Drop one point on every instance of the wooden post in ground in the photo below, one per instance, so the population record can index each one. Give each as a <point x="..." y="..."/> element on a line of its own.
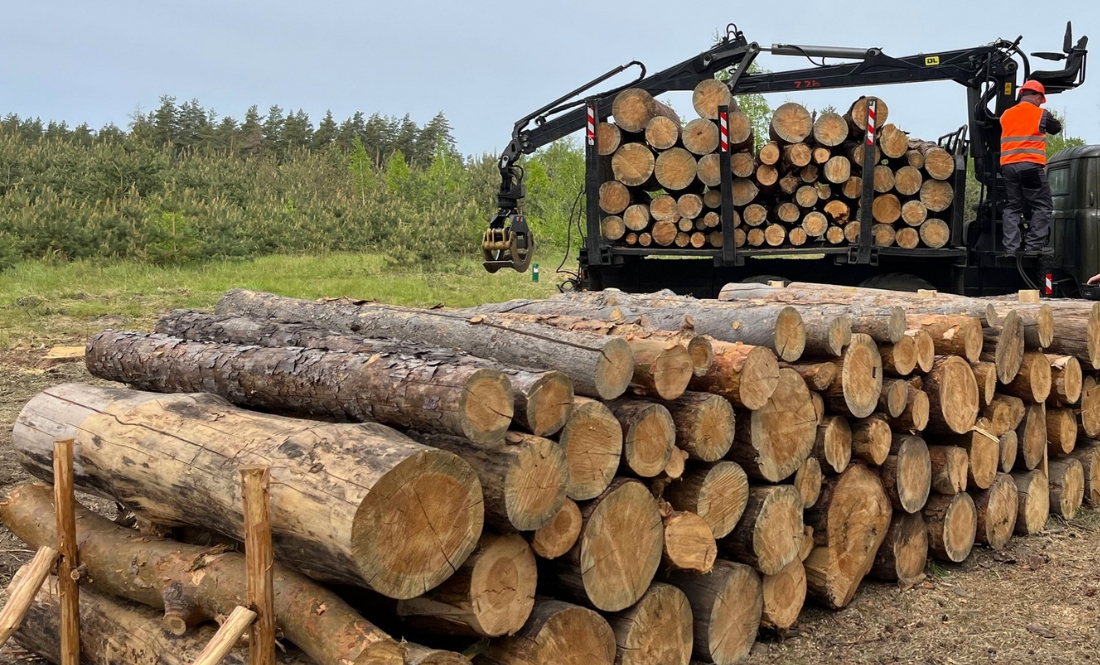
<point x="259" y="561"/>
<point x="227" y="636"/>
<point x="22" y="591"/>
<point x="68" y="573"/>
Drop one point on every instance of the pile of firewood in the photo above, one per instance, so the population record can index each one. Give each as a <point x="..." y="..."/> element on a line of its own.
<point x="802" y="187"/>
<point x="595" y="478"/>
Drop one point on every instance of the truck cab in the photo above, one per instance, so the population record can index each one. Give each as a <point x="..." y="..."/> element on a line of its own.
<point x="1074" y="176"/>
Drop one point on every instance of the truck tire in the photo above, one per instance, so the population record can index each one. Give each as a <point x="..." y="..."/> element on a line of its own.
<point x="897" y="281"/>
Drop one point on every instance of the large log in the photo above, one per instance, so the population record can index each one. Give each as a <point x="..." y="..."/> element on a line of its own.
<point x="710" y="94"/>
<point x="1032" y="437"/>
<point x="791" y="123"/>
<point x="599" y="366"/>
<point x="784" y="595"/>
<point x="1077" y="332"/>
<point x="726" y="606"/>
<point x="769" y="535"/>
<point x="649" y="435"/>
<point x="675" y="169"/>
<point x="997" y="508"/>
<point x="113" y="631"/>
<point x="952" y="333"/>
<point x="1067" y="487"/>
<point x="633" y="164"/>
<point x="904" y="552"/>
<point x="907" y="473"/>
<point x="658" y="629"/>
<point x="1032" y="382"/>
<point x="593" y="443"/>
<point x="1033" y="495"/>
<point x="160" y="573"/>
<point x="952" y="396"/>
<point x="614" y="197"/>
<point x="662" y="133"/>
<point x="361" y="504"/>
<point x="689" y="542"/>
<point x="772" y="441"/>
<point x="850" y="521"/>
<point x="716" y="492"/>
<point x="557" y="632"/>
<point x="952" y="526"/>
<point x="705" y="425"/>
<point x="744" y="375"/>
<point x="633" y="108"/>
<point x="858" y="384"/>
<point x="609" y="137"/>
<point x="543" y="399"/>
<point x="490" y="595"/>
<point x="830" y="129"/>
<point x="619" y="549"/>
<point x="398" y="390"/>
<point x="1037" y="320"/>
<point x="523" y="479"/>
<point x="700" y="136"/>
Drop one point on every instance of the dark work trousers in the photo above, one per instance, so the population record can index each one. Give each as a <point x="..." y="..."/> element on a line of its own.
<point x="1026" y="182"/>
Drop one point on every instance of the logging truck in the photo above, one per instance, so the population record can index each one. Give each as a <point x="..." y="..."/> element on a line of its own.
<point x="797" y="208"/>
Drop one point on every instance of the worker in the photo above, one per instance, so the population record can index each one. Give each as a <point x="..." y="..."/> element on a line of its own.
<point x="1023" y="166"/>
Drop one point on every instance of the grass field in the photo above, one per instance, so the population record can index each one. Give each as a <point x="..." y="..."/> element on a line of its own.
<point x="43" y="304"/>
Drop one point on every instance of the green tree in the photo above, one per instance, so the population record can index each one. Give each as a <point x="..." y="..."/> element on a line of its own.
<point x="273" y="127"/>
<point x="165" y="122"/>
<point x="1059" y="142"/>
<point x="325" y="135"/>
<point x="252" y="133"/>
<point x="297" y="132"/>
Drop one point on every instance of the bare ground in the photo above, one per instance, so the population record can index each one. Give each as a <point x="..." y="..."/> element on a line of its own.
<point x="1037" y="601"/>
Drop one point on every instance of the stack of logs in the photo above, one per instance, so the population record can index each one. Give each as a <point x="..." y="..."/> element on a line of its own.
<point x="803" y="187"/>
<point x="595" y="478"/>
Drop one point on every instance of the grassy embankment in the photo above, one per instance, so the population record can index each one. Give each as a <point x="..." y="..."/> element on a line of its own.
<point x="44" y="305"/>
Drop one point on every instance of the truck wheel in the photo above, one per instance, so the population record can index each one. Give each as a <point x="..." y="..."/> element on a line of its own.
<point x="764" y="279"/>
<point x="897" y="281"/>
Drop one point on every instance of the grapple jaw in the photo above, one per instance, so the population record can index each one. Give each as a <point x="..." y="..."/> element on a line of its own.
<point x="507" y="243"/>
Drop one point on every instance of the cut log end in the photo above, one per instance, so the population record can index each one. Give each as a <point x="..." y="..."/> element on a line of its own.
<point x="502" y="585"/>
<point x="533" y="492"/>
<point x="487" y="406"/>
<point x="1033" y="496"/>
<point x="904" y="553"/>
<point x="726" y="607"/>
<point x="549" y="403"/>
<point x="556" y="538"/>
<point x="649" y="435"/>
<point x="908" y="473"/>
<point x="658" y="629"/>
<point x="952" y="526"/>
<point x="689" y="543"/>
<point x="997" y="509"/>
<point x="784" y="594"/>
<point x="615" y="369"/>
<point x="718" y="493"/>
<point x="593" y="443"/>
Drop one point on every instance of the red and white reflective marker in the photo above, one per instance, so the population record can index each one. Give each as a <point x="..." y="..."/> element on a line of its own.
<point x="872" y="107"/>
<point x="1050" y="284"/>
<point x="591" y="124"/>
<point x="724" y="130"/>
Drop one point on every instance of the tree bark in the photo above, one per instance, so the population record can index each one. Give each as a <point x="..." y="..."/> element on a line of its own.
<point x="370" y="483"/>
<point x="398" y="390"/>
<point x="599" y="366"/>
<point x="658" y="629"/>
<point x="907" y="473"/>
<point x="557" y="632"/>
<point x="523" y="479"/>
<point x="849" y="522"/>
<point x="773" y="441"/>
<point x="160" y="573"/>
<point x="769" y="535"/>
<point x="997" y="508"/>
<point x="1077" y="332"/>
<point x="560" y="534"/>
<point x="1033" y="495"/>
<point x="951" y="333"/>
<point x="985" y="375"/>
<point x="618" y="551"/>
<point x="726" y="607"/>
<point x="717" y="492"/>
<point x="952" y="526"/>
<point x="818" y="376"/>
<point x="490" y="595"/>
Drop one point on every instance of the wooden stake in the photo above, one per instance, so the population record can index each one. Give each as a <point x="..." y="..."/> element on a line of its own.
<point x="258" y="564"/>
<point x="227" y="636"/>
<point x="67" y="566"/>
<point x="22" y="591"/>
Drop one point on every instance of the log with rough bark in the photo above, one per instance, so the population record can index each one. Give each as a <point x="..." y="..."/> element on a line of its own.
<point x="1032" y="436"/>
<point x="743" y="374"/>
<point x="661" y="368"/>
<point x="952" y="396"/>
<point x="997" y="508"/>
<point x="716" y="492"/>
<point x="1077" y="331"/>
<point x="648" y="434"/>
<point x="633" y="164"/>
<point x="1066" y="380"/>
<point x="1061" y="431"/>
<point x="1067" y="487"/>
<point x="949" y="465"/>
<point x="907" y="473"/>
<point x="1032" y="382"/>
<point x="726" y="608"/>
<point x="1033" y="496"/>
<point x="952" y="526"/>
<point x="633" y="108"/>
<point x="772" y="442"/>
<point x="705" y="425"/>
<point x="491" y="593"/>
<point x="1087" y="453"/>
<point x="1038" y="323"/>
<point x="599" y="366"/>
<point x="112" y="632"/>
<point x="951" y="333"/>
<point x="560" y="534"/>
<point x="543" y="399"/>
<point x="904" y="552"/>
<point x="160" y="573"/>
<point x="658" y="629"/>
<point x="871" y="439"/>
<point x="523" y="479"/>
<point x="858" y="383"/>
<point x="557" y="632"/>
<point x="394" y="389"/>
<point x="769" y="535"/>
<point x="833" y="445"/>
<point x="395" y="514"/>
<point x="784" y="595"/>
<point x="689" y="542"/>
<point x="618" y="551"/>
<point x="849" y="522"/>
<point x="593" y="442"/>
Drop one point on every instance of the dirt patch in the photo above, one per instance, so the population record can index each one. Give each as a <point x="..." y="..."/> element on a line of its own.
<point x="1036" y="601"/>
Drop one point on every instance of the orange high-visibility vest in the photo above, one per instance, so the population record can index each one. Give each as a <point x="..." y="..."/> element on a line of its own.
<point x="1021" y="140"/>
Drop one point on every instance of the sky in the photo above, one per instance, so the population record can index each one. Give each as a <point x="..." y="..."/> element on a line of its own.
<point x="484" y="64"/>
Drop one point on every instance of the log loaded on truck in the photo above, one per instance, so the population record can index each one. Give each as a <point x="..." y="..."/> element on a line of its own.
<point x="813" y="204"/>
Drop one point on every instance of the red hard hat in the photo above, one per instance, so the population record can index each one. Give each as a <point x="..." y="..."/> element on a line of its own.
<point x="1036" y="87"/>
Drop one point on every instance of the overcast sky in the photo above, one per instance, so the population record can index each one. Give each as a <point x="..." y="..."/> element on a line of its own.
<point x="485" y="64"/>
